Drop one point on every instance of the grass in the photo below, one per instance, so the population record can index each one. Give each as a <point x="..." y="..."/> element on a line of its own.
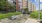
<point x="2" y="16"/>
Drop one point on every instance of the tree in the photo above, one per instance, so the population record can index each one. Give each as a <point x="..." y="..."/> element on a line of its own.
<point x="6" y="6"/>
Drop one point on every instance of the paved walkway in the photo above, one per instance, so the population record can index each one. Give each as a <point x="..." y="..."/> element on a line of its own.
<point x="0" y="22"/>
<point x="29" y="20"/>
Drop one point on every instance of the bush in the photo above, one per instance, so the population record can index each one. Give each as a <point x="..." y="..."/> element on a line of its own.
<point x="6" y="6"/>
<point x="35" y="15"/>
<point x="41" y="15"/>
<point x="28" y="12"/>
<point x="26" y="9"/>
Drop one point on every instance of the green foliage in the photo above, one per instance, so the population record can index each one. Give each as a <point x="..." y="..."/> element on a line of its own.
<point x="5" y="5"/>
<point x="26" y="9"/>
<point x="2" y="16"/>
<point x="12" y="8"/>
<point x="35" y="15"/>
<point x="41" y="15"/>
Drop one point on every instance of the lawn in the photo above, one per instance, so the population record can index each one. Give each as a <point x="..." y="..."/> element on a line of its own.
<point x="6" y="15"/>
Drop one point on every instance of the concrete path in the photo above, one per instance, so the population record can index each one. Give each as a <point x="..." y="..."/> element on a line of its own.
<point x="0" y="22"/>
<point x="29" y="20"/>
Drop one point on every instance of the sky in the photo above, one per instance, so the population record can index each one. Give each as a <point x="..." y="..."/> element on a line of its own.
<point x="37" y="4"/>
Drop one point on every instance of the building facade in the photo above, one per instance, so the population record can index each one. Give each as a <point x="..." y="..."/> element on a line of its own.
<point x="24" y="3"/>
<point x="34" y="7"/>
<point x="31" y="6"/>
<point x="21" y="4"/>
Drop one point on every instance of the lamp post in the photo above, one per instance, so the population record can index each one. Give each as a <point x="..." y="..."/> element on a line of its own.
<point x="39" y="11"/>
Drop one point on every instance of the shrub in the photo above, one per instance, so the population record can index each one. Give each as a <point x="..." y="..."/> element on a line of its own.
<point x="28" y="12"/>
<point x="26" y="9"/>
<point x="41" y="15"/>
<point x="35" y="15"/>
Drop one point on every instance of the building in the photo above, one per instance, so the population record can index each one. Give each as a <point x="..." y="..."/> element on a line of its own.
<point x="21" y="4"/>
<point x="31" y="6"/>
<point x="17" y="7"/>
<point x="24" y="3"/>
<point x="14" y="2"/>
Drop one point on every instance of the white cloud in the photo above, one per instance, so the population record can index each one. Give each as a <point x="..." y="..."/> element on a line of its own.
<point x="40" y="0"/>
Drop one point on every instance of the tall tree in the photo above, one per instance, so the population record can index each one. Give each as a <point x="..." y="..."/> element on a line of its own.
<point x="5" y="6"/>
